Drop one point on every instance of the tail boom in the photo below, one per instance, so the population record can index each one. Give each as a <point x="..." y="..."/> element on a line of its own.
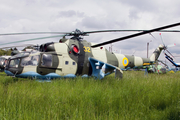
<point x="127" y="61"/>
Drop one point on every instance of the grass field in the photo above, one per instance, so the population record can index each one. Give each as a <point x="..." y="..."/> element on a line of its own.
<point x="135" y="97"/>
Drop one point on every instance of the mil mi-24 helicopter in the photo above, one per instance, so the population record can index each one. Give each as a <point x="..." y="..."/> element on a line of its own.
<point x="3" y="61"/>
<point x="4" y="58"/>
<point x="76" y="57"/>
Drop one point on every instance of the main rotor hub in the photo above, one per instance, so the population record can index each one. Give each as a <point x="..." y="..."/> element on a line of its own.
<point x="76" y="34"/>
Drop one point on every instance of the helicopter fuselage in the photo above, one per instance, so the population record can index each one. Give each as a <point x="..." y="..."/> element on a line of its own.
<point x="70" y="58"/>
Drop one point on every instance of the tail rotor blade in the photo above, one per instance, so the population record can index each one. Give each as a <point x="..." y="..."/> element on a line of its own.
<point x="161" y="39"/>
<point x="171" y="45"/>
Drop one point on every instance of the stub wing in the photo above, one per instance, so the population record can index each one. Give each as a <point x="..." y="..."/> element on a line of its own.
<point x="101" y="69"/>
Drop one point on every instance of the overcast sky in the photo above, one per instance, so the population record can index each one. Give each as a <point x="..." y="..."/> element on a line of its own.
<point x="90" y="15"/>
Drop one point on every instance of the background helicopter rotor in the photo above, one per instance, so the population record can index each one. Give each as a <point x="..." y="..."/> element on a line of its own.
<point x="167" y="46"/>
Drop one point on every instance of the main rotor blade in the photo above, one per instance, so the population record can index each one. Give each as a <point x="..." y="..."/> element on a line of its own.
<point x="33" y="33"/>
<point x="130" y="31"/>
<point x="32" y="39"/>
<point x="135" y="35"/>
<point x="99" y="31"/>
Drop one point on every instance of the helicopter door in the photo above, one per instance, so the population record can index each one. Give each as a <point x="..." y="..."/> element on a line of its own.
<point x="69" y="66"/>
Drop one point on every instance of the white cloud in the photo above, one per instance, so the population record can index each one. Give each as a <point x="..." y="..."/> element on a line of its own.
<point x="66" y="16"/>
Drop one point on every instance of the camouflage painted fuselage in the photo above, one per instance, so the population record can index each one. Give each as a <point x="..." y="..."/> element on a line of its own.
<point x="70" y="58"/>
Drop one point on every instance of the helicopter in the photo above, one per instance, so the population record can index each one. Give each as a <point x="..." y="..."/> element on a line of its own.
<point x="77" y="57"/>
<point x="4" y="58"/>
<point x="158" y="68"/>
<point x="3" y="61"/>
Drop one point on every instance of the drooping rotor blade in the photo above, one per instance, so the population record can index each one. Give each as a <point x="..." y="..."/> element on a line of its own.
<point x="32" y="39"/>
<point x="135" y="35"/>
<point x="33" y="33"/>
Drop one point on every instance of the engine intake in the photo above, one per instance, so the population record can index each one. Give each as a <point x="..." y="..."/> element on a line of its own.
<point x="48" y="47"/>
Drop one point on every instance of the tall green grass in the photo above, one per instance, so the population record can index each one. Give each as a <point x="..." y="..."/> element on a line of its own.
<point x="136" y="96"/>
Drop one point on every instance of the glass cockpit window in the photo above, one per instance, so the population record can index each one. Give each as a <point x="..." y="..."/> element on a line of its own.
<point x="2" y="61"/>
<point x="46" y="60"/>
<point x="31" y="60"/>
<point x="21" y="54"/>
<point x="14" y="63"/>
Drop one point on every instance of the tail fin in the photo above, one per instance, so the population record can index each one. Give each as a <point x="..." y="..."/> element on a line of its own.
<point x="156" y="53"/>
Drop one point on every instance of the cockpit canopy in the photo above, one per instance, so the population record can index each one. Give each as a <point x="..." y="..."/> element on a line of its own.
<point x="23" y="59"/>
<point x="14" y="63"/>
<point x="27" y="59"/>
<point x="2" y="60"/>
<point x="31" y="60"/>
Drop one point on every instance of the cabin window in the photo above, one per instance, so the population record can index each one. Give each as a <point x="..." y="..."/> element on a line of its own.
<point x="31" y="60"/>
<point x="14" y="63"/>
<point x="46" y="60"/>
<point x="66" y="62"/>
<point x="73" y="63"/>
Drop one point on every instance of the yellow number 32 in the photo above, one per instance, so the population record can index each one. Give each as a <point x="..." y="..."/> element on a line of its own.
<point x="86" y="49"/>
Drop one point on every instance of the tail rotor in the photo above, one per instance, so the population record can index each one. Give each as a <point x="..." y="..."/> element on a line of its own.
<point x="167" y="46"/>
